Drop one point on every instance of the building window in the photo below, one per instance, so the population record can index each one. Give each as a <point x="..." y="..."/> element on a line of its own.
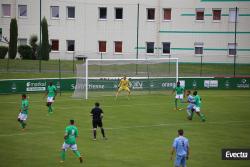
<point x="102" y="46"/>
<point x="165" y="47"/>
<point x="54" y="44"/>
<point x="167" y="14"/>
<point x="22" y="41"/>
<point x="200" y="13"/>
<point x="232" y="15"/>
<point x="6" y="10"/>
<point x="54" y="11"/>
<point x="119" y="13"/>
<point x="151" y="14"/>
<point x="118" y="46"/>
<point x="103" y="13"/>
<point x="22" y="10"/>
<point x="150" y="47"/>
<point x="198" y="48"/>
<point x="70" y="12"/>
<point x="70" y="45"/>
<point x="216" y="14"/>
<point x="232" y="49"/>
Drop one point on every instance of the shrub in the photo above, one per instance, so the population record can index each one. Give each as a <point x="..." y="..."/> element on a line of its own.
<point x="25" y="51"/>
<point x="3" y="51"/>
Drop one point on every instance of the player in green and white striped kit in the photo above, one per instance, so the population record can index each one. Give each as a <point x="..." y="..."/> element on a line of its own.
<point x="71" y="133"/>
<point x="23" y="115"/>
<point x="51" y="93"/>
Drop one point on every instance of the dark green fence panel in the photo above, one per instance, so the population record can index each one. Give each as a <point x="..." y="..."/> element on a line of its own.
<point x="39" y="85"/>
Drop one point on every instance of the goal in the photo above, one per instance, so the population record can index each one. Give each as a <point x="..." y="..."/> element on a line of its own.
<point x="98" y="77"/>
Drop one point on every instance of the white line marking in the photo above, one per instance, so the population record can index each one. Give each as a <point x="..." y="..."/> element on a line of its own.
<point x="136" y="127"/>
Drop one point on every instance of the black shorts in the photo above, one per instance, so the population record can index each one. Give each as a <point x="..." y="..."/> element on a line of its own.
<point x="96" y="123"/>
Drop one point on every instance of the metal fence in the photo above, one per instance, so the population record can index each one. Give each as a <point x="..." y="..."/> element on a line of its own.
<point x="67" y="68"/>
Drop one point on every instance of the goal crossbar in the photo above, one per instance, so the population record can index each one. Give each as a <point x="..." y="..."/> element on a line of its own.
<point x="133" y="59"/>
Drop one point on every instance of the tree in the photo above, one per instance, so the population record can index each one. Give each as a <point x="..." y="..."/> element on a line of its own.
<point x="25" y="51"/>
<point x="13" y="39"/>
<point x="45" y="47"/>
<point x="33" y="43"/>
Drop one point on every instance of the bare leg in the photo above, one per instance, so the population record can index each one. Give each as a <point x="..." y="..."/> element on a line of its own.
<point x="128" y="94"/>
<point x="117" y="93"/>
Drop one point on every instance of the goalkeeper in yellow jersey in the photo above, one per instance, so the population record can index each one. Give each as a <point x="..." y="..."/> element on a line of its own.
<point x="123" y="85"/>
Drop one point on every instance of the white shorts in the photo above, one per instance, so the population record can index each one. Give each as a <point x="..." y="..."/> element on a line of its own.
<point x="50" y="99"/>
<point x="197" y="109"/>
<point x="22" y="116"/>
<point x="65" y="146"/>
<point x="180" y="96"/>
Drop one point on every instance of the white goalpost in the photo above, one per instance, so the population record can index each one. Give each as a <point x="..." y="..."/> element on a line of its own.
<point x="102" y="75"/>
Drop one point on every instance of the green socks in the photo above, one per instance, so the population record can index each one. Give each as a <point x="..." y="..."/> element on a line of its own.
<point x="77" y="153"/>
<point x="50" y="109"/>
<point x="192" y="114"/>
<point x="203" y="118"/>
<point x="63" y="155"/>
<point x="175" y="103"/>
<point x="22" y="124"/>
<point x="201" y="115"/>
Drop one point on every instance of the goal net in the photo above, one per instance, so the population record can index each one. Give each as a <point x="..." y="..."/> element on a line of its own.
<point x="100" y="77"/>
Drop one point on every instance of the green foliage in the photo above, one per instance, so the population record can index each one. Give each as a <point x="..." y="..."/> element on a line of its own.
<point x="33" y="43"/>
<point x="3" y="51"/>
<point x="45" y="47"/>
<point x="25" y="51"/>
<point x="13" y="39"/>
<point x="39" y="48"/>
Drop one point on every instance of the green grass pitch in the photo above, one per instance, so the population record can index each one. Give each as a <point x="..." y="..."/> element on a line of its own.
<point x="140" y="131"/>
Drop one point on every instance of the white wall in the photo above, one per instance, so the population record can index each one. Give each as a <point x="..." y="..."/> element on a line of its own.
<point x="86" y="29"/>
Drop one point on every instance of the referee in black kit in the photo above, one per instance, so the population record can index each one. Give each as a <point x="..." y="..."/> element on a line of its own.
<point x="97" y="115"/>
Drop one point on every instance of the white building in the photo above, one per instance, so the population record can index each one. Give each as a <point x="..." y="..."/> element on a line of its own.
<point x="185" y="29"/>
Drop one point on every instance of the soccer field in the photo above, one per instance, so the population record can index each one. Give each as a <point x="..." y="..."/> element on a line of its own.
<point x="140" y="131"/>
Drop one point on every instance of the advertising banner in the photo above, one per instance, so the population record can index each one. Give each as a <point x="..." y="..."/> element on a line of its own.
<point x="68" y="84"/>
